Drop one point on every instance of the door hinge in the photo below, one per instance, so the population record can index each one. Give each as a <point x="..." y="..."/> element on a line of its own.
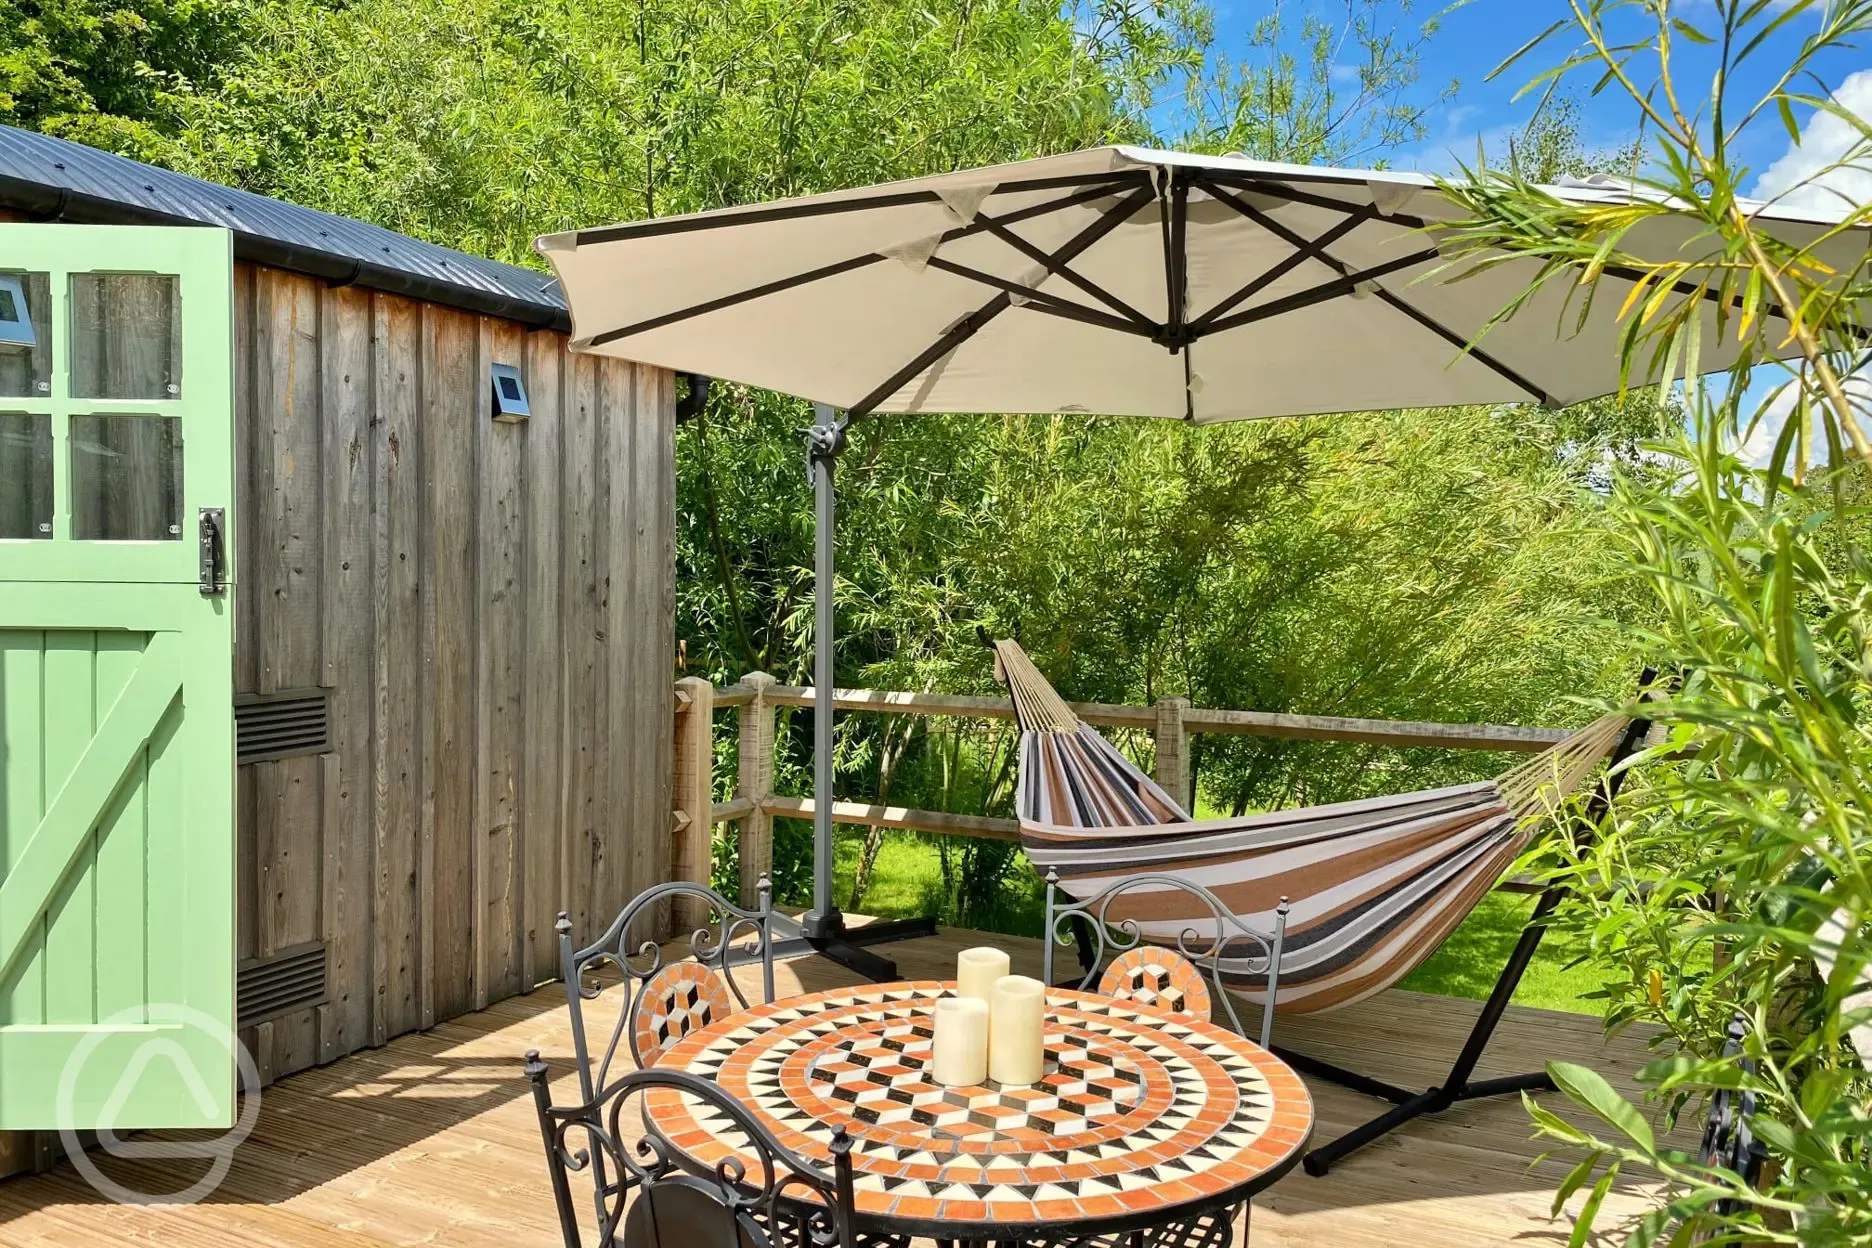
<point x="212" y="550"/>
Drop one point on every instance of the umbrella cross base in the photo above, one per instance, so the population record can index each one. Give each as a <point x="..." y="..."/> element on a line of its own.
<point x="847" y="945"/>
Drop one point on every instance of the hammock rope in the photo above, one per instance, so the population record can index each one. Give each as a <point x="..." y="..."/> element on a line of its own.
<point x="1376" y="884"/>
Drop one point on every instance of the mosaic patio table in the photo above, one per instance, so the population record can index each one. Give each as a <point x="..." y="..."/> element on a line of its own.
<point x="1142" y="1119"/>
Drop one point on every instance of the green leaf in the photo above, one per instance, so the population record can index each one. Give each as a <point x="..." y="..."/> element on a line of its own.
<point x="1787" y="119"/>
<point x="1587" y="1087"/>
<point x="1776" y="1135"/>
<point x="1573" y="1181"/>
<point x="1820" y="1090"/>
<point x="1582" y="1225"/>
<point x="1689" y="32"/>
<point x="1524" y="49"/>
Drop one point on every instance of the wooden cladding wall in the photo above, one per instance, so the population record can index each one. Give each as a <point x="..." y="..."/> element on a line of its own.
<point x="491" y="608"/>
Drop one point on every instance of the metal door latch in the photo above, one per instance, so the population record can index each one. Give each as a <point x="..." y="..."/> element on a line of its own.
<point x="212" y="551"/>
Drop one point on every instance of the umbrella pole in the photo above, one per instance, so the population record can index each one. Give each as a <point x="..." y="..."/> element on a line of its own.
<point x="824" y="442"/>
<point x="823" y="925"/>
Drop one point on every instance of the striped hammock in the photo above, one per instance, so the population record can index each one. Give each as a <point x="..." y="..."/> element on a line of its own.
<point x="1375" y="884"/>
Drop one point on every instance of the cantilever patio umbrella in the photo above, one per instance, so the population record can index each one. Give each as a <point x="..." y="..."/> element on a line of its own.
<point x="1119" y="281"/>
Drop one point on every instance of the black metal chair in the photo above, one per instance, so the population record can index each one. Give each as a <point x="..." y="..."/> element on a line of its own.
<point x="1172" y="979"/>
<point x="1727" y="1140"/>
<point x="661" y="1001"/>
<point x="643" y="1196"/>
<point x="1209" y="1230"/>
<point x="1159" y="974"/>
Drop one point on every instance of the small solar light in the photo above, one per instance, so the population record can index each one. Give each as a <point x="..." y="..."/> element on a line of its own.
<point x="16" y="331"/>
<point x="510" y="400"/>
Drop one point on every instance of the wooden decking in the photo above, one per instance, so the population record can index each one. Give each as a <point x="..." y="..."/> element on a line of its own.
<point x="430" y="1140"/>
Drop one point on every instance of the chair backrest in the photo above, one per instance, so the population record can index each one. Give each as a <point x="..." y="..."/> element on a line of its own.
<point x="659" y="1000"/>
<point x="1142" y="971"/>
<point x="1160" y="978"/>
<point x="642" y="1195"/>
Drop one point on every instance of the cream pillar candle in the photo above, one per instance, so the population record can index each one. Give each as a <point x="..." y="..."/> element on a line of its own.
<point x="1017" y="1030"/>
<point x="976" y="971"/>
<point x="959" y="1051"/>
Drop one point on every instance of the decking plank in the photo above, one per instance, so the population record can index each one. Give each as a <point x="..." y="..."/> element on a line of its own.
<point x="431" y="1139"/>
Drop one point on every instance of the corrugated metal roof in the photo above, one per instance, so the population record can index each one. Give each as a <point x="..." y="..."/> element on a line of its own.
<point x="53" y="178"/>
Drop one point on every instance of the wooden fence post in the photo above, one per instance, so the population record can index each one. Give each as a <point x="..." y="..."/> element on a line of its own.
<point x="1172" y="770"/>
<point x="694" y="787"/>
<point x="756" y="785"/>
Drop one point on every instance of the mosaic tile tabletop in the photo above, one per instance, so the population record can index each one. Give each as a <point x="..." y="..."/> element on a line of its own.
<point x="1140" y="1113"/>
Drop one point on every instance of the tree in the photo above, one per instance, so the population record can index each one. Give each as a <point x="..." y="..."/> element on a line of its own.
<point x="1276" y="567"/>
<point x="485" y="123"/>
<point x="1413" y="565"/>
<point x="110" y="74"/>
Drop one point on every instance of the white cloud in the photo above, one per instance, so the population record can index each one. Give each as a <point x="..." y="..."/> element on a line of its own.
<point x="1804" y="173"/>
<point x="1759" y="447"/>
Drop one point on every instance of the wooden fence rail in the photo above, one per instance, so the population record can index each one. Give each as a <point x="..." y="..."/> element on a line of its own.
<point x="1170" y="721"/>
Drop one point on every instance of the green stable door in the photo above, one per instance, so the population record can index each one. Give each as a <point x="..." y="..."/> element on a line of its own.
<point x="116" y="671"/>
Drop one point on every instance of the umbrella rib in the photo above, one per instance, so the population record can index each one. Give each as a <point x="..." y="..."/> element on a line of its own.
<point x="1175" y="259"/>
<point x="819" y="208"/>
<point x="1613" y="270"/>
<point x="834" y="269"/>
<point x="1257" y="177"/>
<point x="969" y="325"/>
<point x="1176" y="274"/>
<point x="1456" y="340"/>
<point x="1282" y="191"/>
<point x="1396" y="303"/>
<point x="1337" y="288"/>
<point x="1068" y="273"/>
<point x="1305" y="249"/>
<point x="1043" y="301"/>
<point x="774" y="287"/>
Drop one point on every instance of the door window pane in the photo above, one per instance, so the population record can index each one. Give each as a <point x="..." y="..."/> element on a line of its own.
<point x="126" y="336"/>
<point x="25" y="334"/>
<point x="126" y="478"/>
<point x="25" y="475"/>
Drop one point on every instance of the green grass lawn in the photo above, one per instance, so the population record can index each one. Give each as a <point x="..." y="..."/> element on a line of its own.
<point x="908" y="875"/>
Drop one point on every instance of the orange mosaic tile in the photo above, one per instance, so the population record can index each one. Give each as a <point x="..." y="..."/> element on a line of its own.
<point x="679" y="999"/>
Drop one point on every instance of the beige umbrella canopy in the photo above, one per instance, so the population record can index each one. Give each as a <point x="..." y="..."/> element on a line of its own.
<point x="1118" y="280"/>
<point x="1045" y="286"/>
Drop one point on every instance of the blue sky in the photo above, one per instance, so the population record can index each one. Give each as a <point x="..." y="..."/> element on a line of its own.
<point x="1472" y="39"/>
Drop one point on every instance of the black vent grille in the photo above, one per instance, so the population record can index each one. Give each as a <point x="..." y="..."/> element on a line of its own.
<point x="280" y="725"/>
<point x="269" y="987"/>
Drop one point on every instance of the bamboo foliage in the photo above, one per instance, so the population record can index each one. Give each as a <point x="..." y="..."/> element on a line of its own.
<point x="1728" y="896"/>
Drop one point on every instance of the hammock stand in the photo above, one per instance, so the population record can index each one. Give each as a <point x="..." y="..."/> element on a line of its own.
<point x="1075" y="790"/>
<point x="1457" y="1085"/>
